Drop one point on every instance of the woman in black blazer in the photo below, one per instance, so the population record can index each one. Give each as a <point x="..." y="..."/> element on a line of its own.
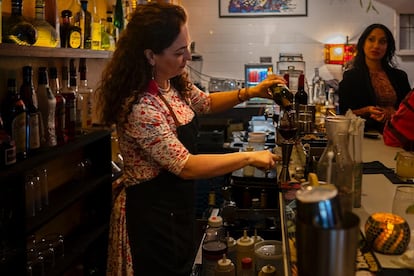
<point x="373" y="87"/>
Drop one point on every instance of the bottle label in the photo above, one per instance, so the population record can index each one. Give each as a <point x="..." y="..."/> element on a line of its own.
<point x="75" y="40"/>
<point x="34" y="130"/>
<point x="51" y="132"/>
<point x="96" y="36"/>
<point x="10" y="154"/>
<point x="19" y="132"/>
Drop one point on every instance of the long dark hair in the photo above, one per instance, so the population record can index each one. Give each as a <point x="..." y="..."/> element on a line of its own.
<point x="153" y="26"/>
<point x="388" y="60"/>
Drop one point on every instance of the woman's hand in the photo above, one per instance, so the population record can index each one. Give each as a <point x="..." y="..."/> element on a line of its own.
<point x="264" y="159"/>
<point x="261" y="90"/>
<point x="380" y="114"/>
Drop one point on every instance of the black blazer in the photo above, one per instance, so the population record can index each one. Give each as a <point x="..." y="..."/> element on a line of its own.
<point x="356" y="91"/>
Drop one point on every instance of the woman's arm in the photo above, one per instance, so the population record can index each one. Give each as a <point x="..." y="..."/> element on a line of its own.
<point x="222" y="101"/>
<point x="211" y="165"/>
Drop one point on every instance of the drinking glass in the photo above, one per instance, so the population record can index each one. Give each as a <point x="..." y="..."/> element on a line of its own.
<point x="403" y="205"/>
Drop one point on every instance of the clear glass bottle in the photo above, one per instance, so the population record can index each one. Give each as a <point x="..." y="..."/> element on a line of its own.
<point x="73" y="85"/>
<point x="96" y="27"/>
<point x="86" y="92"/>
<point x="46" y="33"/>
<point x="16" y="28"/>
<point x="70" y="106"/>
<point x="14" y="115"/>
<point x="29" y="97"/>
<point x="47" y="107"/>
<point x="335" y="162"/>
<point x="107" y="37"/>
<point x="60" y="106"/>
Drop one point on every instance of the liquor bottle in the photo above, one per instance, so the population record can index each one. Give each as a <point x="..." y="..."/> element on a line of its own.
<point x="70" y="106"/>
<point x="73" y="85"/>
<point x="211" y="204"/>
<point x="87" y="31"/>
<point x="282" y="96"/>
<point x="70" y="35"/>
<point x="301" y="97"/>
<point x="107" y="37"/>
<point x="96" y="28"/>
<point x="47" y="107"/>
<point x="16" y="28"/>
<point x="78" y="18"/>
<point x="46" y="33"/>
<point x="119" y="17"/>
<point x="7" y="147"/>
<point x="86" y="92"/>
<point x="315" y="86"/>
<point x="15" y="118"/>
<point x="29" y="97"/>
<point x="60" y="106"/>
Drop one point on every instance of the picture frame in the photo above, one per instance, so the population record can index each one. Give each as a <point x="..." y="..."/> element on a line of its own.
<point x="262" y="8"/>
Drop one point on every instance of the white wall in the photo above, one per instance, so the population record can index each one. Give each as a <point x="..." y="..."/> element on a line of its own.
<point x="226" y="44"/>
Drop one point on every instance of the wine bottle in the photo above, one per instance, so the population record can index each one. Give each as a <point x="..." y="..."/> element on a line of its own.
<point x="16" y="28"/>
<point x="15" y="118"/>
<point x="47" y="107"/>
<point x="60" y="106"/>
<point x="70" y="35"/>
<point x="301" y="97"/>
<point x="29" y="97"/>
<point x="86" y="92"/>
<point x="70" y="106"/>
<point x="282" y="96"/>
<point x="46" y="33"/>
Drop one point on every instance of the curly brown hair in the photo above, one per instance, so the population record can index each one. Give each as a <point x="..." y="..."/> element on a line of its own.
<point x="153" y="26"/>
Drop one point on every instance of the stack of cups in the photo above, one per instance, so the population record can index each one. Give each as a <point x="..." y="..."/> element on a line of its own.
<point x="257" y="140"/>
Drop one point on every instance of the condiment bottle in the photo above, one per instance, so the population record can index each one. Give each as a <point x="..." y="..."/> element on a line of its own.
<point x="225" y="267"/>
<point x="231" y="248"/>
<point x="247" y="267"/>
<point x="268" y="270"/>
<point x="245" y="248"/>
<point x="215" y="229"/>
<point x="212" y="251"/>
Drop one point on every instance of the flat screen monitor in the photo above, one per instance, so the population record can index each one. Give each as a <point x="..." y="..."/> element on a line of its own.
<point x="254" y="73"/>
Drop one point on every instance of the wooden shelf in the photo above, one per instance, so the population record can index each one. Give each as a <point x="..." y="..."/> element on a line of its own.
<point x="12" y="50"/>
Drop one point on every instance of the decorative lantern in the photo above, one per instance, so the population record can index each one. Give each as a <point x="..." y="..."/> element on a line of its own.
<point x="387" y="233"/>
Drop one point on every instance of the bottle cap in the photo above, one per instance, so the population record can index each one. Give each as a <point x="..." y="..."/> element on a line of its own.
<point x="247" y="263"/>
<point x="224" y="263"/>
<point x="215" y="221"/>
<point x="268" y="270"/>
<point x="245" y="240"/>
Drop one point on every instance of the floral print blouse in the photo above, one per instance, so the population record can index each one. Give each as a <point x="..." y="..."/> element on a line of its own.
<point x="148" y="143"/>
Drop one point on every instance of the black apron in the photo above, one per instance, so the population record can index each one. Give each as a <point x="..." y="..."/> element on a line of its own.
<point x="160" y="219"/>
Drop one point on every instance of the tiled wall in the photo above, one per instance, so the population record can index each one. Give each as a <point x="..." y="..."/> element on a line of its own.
<point x="226" y="44"/>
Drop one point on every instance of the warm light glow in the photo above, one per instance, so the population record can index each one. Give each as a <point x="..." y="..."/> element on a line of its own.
<point x="339" y="53"/>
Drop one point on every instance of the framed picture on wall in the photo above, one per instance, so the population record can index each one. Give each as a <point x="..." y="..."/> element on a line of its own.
<point x="261" y="8"/>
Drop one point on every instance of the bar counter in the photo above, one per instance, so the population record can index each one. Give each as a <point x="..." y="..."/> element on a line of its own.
<point x="377" y="195"/>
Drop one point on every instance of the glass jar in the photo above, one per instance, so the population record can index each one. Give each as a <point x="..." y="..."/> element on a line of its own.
<point x="335" y="164"/>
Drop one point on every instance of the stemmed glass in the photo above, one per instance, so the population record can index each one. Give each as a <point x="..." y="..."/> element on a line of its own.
<point x="288" y="130"/>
